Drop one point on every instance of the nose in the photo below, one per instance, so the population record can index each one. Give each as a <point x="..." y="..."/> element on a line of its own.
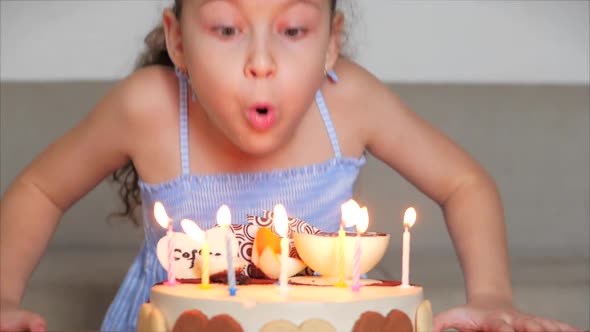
<point x="260" y="63"/>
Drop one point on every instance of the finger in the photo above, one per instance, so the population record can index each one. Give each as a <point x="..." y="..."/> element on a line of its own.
<point x="547" y="324"/>
<point x="566" y="327"/>
<point x="527" y="324"/>
<point x="497" y="324"/>
<point x="38" y="324"/>
<point x="453" y="318"/>
<point x="26" y="321"/>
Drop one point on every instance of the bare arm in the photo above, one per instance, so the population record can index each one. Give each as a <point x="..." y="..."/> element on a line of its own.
<point x="444" y="172"/>
<point x="68" y="169"/>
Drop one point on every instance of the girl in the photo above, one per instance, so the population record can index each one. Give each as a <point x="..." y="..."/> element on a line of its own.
<point x="248" y="103"/>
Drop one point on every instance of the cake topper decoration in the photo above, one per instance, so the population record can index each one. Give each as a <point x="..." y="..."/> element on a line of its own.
<point x="189" y="255"/>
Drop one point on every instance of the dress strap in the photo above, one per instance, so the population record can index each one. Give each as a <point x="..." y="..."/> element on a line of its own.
<point x="184" y="151"/>
<point x="320" y="101"/>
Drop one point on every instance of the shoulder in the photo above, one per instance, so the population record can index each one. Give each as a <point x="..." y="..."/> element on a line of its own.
<point x="361" y="98"/>
<point x="142" y="101"/>
<point x="147" y="91"/>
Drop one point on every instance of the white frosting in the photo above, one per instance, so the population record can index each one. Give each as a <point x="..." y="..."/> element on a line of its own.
<point x="256" y="305"/>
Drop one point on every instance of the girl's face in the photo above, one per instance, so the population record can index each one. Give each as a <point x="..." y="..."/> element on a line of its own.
<point x="255" y="65"/>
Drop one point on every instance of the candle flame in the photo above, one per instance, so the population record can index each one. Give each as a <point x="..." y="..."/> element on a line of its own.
<point x="363" y="220"/>
<point x="193" y="230"/>
<point x="161" y="215"/>
<point x="350" y="212"/>
<point x="281" y="220"/>
<point x="409" y="217"/>
<point x="223" y="216"/>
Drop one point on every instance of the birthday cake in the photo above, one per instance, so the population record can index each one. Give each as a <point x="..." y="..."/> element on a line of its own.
<point x="318" y="287"/>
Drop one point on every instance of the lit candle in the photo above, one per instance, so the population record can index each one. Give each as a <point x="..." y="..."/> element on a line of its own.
<point x="361" y="227"/>
<point x="192" y="230"/>
<point x="165" y="221"/>
<point x="349" y="215"/>
<point x="281" y="223"/>
<point x="224" y="220"/>
<point x="409" y="219"/>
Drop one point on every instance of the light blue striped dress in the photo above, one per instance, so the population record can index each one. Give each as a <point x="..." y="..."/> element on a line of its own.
<point x="313" y="193"/>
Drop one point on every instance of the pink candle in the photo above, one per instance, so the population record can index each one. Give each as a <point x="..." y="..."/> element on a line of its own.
<point x="409" y="219"/>
<point x="165" y="221"/>
<point x="356" y="273"/>
<point x="171" y="279"/>
<point x="350" y="215"/>
<point x="361" y="227"/>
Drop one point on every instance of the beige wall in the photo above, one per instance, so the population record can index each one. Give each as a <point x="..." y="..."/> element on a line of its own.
<point x="533" y="139"/>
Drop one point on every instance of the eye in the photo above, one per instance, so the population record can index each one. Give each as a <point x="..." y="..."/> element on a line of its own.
<point x="226" y="31"/>
<point x="295" y="33"/>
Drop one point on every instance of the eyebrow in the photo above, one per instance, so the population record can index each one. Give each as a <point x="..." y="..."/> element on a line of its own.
<point x="290" y="3"/>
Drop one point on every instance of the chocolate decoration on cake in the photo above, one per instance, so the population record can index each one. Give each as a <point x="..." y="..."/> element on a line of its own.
<point x="371" y="321"/>
<point x="196" y="321"/>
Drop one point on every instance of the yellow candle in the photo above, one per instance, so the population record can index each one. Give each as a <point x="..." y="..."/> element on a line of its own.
<point x="341" y="239"/>
<point x="195" y="233"/>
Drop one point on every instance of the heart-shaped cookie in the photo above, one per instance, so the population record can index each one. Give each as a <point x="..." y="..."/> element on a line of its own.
<point x="424" y="317"/>
<point x="371" y="321"/>
<point x="310" y="325"/>
<point x="196" y="321"/>
<point x="150" y="319"/>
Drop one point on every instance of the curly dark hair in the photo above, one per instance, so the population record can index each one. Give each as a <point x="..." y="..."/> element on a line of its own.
<point x="155" y="53"/>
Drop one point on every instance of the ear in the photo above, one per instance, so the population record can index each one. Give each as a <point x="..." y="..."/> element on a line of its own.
<point x="335" y="40"/>
<point x="173" y="38"/>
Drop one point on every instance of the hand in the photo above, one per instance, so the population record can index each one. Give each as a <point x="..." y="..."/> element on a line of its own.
<point x="501" y="318"/>
<point x="14" y="319"/>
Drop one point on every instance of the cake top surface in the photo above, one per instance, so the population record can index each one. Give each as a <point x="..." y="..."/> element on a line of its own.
<point x="296" y="293"/>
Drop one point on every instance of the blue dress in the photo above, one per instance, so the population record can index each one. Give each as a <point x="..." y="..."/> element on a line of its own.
<point x="312" y="193"/>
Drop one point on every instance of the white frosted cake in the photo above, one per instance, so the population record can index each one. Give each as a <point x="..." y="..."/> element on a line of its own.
<point x="309" y="303"/>
<point x="305" y="307"/>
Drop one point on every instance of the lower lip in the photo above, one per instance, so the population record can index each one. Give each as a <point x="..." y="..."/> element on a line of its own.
<point x="261" y="121"/>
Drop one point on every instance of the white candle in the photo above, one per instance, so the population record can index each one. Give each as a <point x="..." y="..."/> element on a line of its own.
<point x="281" y="223"/>
<point x="224" y="220"/>
<point x="406" y="258"/>
<point x="231" y="273"/>
<point x="409" y="219"/>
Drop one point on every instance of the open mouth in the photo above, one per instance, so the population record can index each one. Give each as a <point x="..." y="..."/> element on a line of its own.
<point x="261" y="117"/>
